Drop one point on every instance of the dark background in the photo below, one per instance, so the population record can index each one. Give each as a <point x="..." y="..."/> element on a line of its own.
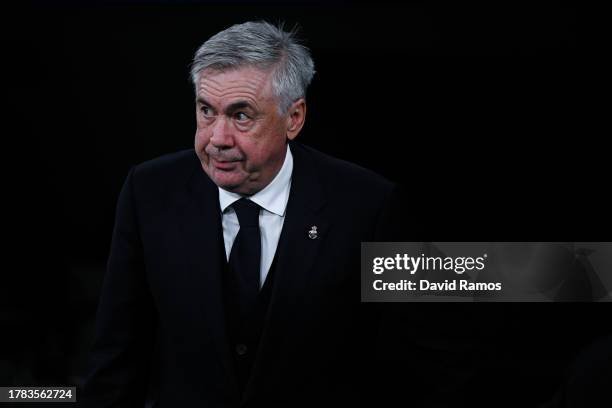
<point x="481" y="112"/>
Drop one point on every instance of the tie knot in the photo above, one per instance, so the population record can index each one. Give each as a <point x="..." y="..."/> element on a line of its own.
<point x="247" y="212"/>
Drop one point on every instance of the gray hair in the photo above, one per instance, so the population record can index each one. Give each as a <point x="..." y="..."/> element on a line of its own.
<point x="264" y="46"/>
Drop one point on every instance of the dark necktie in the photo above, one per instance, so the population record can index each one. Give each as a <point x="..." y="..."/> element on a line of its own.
<point x="245" y="257"/>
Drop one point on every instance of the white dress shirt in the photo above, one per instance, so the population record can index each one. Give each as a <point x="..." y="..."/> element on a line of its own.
<point x="273" y="201"/>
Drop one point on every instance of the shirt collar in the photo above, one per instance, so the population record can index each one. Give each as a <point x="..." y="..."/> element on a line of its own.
<point x="273" y="197"/>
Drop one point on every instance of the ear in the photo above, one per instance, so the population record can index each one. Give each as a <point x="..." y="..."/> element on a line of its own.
<point x="295" y="118"/>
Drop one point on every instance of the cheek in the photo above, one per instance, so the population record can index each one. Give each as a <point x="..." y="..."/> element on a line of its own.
<point x="202" y="136"/>
<point x="258" y="154"/>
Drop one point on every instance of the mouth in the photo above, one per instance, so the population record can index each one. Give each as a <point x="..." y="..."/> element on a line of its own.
<point x="224" y="165"/>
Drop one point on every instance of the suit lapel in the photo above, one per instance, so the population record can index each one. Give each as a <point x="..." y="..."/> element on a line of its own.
<point x="296" y="253"/>
<point x="202" y="231"/>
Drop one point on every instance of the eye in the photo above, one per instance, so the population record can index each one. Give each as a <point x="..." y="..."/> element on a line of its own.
<point x="241" y="117"/>
<point x="206" y="111"/>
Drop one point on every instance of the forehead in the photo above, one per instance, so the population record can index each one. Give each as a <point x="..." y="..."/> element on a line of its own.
<point x="239" y="83"/>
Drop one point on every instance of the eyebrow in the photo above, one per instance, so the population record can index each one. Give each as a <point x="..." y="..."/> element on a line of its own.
<point x="231" y="107"/>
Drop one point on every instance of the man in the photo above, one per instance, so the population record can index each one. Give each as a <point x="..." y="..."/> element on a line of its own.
<point x="233" y="277"/>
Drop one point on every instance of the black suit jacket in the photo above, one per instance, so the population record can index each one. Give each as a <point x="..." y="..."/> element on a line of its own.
<point x="160" y="331"/>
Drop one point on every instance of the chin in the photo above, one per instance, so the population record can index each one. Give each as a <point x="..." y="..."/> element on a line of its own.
<point x="233" y="182"/>
<point x="238" y="189"/>
<point x="225" y="184"/>
<point x="228" y="184"/>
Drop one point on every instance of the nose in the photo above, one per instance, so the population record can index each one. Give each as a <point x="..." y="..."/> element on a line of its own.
<point x="222" y="136"/>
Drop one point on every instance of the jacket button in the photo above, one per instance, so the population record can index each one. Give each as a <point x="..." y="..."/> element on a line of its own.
<point x="241" y="349"/>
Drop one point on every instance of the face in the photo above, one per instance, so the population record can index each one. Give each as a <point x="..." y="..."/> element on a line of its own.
<point x="241" y="138"/>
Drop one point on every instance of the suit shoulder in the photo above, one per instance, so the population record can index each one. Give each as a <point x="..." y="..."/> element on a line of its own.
<point x="165" y="171"/>
<point x="171" y="162"/>
<point x="344" y="175"/>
